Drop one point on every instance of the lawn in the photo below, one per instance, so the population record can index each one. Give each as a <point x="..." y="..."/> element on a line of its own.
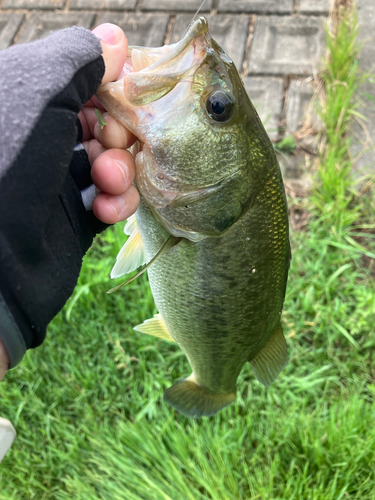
<point x="88" y="404"/>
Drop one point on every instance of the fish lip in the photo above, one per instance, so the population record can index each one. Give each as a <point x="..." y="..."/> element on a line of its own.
<point x="197" y="28"/>
<point x="172" y="52"/>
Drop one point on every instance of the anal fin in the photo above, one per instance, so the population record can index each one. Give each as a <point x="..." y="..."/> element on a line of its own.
<point x="156" y="327"/>
<point x="271" y="360"/>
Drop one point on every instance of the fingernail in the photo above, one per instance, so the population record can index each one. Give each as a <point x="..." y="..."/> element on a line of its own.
<point x="109" y="33"/>
<point x="118" y="205"/>
<point x="124" y="170"/>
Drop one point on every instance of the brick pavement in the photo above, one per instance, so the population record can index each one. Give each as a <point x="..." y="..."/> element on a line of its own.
<point x="277" y="45"/>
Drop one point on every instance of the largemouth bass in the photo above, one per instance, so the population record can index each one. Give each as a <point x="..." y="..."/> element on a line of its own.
<point x="213" y="210"/>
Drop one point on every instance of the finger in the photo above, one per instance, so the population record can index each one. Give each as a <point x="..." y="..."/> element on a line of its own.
<point x="113" y="171"/>
<point x="88" y="120"/>
<point x="115" y="49"/>
<point x="113" y="135"/>
<point x="115" y="208"/>
<point x="93" y="149"/>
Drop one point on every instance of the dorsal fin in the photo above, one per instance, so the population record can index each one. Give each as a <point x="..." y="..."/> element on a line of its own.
<point x="156" y="327"/>
<point x="171" y="242"/>
<point x="269" y="362"/>
<point x="132" y="254"/>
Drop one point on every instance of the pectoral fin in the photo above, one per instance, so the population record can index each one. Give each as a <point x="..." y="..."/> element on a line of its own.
<point x="156" y="327"/>
<point x="131" y="225"/>
<point x="171" y="242"/>
<point x="269" y="362"/>
<point x="132" y="254"/>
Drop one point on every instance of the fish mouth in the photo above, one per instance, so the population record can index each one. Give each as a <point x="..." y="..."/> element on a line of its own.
<point x="150" y="96"/>
<point x="150" y="73"/>
<point x="169" y="56"/>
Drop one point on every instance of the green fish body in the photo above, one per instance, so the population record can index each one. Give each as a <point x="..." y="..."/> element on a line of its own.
<point x="209" y="179"/>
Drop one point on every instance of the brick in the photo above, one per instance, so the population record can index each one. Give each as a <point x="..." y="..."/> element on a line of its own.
<point x="230" y="32"/>
<point x="176" y="5"/>
<point x="141" y="29"/>
<point x="257" y="6"/>
<point x="287" y="45"/>
<point x="315" y="6"/>
<point x="301" y="109"/>
<point x="34" y="4"/>
<point x="266" y="95"/>
<point x="9" y="25"/>
<point x="40" y="24"/>
<point x="103" y="4"/>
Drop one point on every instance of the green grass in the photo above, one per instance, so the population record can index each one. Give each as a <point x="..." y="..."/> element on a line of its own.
<point x="333" y="194"/>
<point x="88" y="404"/>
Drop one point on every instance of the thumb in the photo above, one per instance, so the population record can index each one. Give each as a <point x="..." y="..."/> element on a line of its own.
<point x="115" y="49"/>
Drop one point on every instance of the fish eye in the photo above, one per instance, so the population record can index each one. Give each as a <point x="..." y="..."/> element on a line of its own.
<point x="220" y="106"/>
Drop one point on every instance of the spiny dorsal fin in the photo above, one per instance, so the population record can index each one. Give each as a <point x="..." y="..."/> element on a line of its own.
<point x="156" y="327"/>
<point x="269" y="362"/>
<point x="132" y="254"/>
<point x="171" y="242"/>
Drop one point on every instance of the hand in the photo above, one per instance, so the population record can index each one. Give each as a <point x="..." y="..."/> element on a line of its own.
<point x="45" y="229"/>
<point x="113" y="168"/>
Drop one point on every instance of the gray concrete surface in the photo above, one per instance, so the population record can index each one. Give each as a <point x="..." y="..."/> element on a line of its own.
<point x="363" y="146"/>
<point x="285" y="45"/>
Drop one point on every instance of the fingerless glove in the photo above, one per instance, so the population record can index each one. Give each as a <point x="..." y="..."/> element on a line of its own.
<point x="45" y="229"/>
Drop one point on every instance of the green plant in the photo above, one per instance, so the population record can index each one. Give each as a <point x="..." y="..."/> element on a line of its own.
<point x="333" y="195"/>
<point x="286" y="145"/>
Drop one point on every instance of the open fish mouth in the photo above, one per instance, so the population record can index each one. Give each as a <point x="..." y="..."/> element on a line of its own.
<point x="170" y="58"/>
<point x="150" y="73"/>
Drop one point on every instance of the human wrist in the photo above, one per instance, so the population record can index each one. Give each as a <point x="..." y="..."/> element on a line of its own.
<point x="4" y="360"/>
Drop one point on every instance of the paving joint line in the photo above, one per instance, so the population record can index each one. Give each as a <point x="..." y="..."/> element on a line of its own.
<point x="282" y="125"/>
<point x="67" y="5"/>
<point x="138" y="6"/>
<point x="169" y="30"/>
<point x="128" y="11"/>
<point x="94" y="20"/>
<point x="20" y="29"/>
<point x="250" y="35"/>
<point x="215" y="5"/>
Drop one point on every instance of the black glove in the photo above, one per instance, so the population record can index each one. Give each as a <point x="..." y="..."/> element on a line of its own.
<point x="44" y="227"/>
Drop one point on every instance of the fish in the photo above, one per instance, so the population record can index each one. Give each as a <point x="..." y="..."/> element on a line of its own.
<point x="212" y="224"/>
